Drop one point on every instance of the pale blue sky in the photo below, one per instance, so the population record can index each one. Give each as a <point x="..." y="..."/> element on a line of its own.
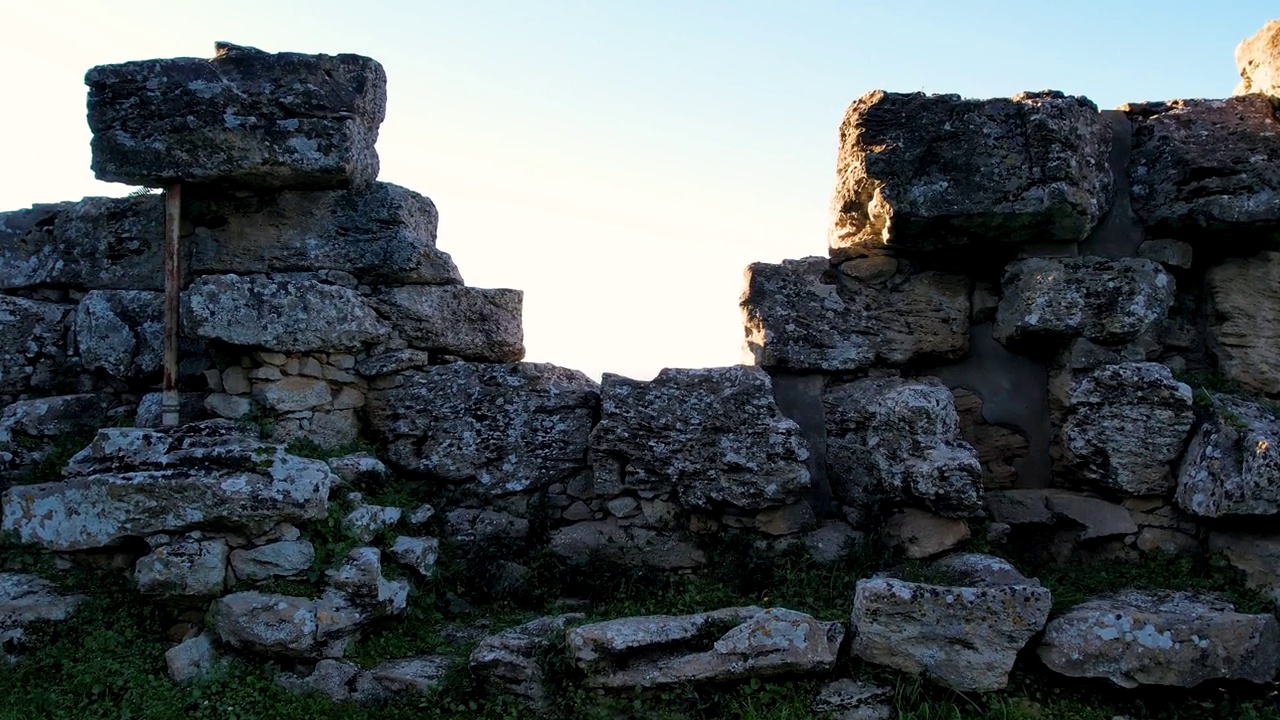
<point x="620" y="162"/>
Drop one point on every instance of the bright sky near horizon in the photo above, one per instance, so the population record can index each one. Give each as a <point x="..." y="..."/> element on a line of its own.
<point x="621" y="162"/>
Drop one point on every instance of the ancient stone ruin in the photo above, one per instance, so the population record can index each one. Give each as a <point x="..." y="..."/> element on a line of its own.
<point x="1038" y="324"/>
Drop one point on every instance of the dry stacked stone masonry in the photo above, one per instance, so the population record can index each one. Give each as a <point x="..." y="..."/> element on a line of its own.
<point x="1037" y="320"/>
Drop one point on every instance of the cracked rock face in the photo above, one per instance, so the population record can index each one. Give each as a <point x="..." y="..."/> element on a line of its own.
<point x="1258" y="58"/>
<point x="509" y="660"/>
<point x="1177" y="639"/>
<point x="931" y="172"/>
<point x="32" y="343"/>
<point x="122" y="332"/>
<point x="25" y="599"/>
<point x="247" y="118"/>
<point x="1232" y="466"/>
<point x="1244" y="297"/>
<point x="477" y="324"/>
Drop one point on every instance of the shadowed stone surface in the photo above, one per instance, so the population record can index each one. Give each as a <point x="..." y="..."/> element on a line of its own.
<point x="1244" y="320"/>
<point x="25" y="599"/>
<point x="508" y="661"/>
<point x="122" y="332"/>
<point x="185" y="566"/>
<point x="479" y="324"/>
<point x="1232" y="466"/>
<point x="32" y="343"/>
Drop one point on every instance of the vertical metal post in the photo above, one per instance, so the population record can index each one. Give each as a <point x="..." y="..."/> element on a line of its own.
<point x="172" y="287"/>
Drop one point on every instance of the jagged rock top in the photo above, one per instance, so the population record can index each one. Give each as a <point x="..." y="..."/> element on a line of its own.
<point x="1258" y="59"/>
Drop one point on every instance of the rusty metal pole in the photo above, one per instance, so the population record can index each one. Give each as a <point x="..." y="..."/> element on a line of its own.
<point x="172" y="287"/>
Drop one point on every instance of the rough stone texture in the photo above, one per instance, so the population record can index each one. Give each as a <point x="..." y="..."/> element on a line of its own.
<point x="484" y="525"/>
<point x="359" y="468"/>
<point x="499" y="428"/>
<point x="712" y="436"/>
<point x="999" y="448"/>
<point x="121" y="332"/>
<point x="848" y="699"/>
<point x="923" y="535"/>
<point x="25" y="599"/>
<point x="662" y="650"/>
<point x="1206" y="169"/>
<point x="280" y="559"/>
<point x="1125" y="425"/>
<point x="629" y="545"/>
<point x="395" y="361"/>
<point x="416" y="675"/>
<point x="51" y="417"/>
<point x="1097" y="518"/>
<point x="366" y="521"/>
<point x="1179" y="639"/>
<point x="508" y="661"/>
<point x="286" y="312"/>
<point x="382" y="234"/>
<point x="926" y="172"/>
<point x="335" y="679"/>
<point x="95" y="243"/>
<point x="1173" y="253"/>
<point x="1232" y="466"/>
<point x="1258" y="58"/>
<point x="285" y="625"/>
<point x="1048" y="301"/>
<point x="476" y="324"/>
<point x="186" y="566"/>
<point x="419" y="554"/>
<point x="800" y="315"/>
<point x="293" y="394"/>
<point x="245" y="118"/>
<point x="965" y="637"/>
<point x="32" y="343"/>
<point x="1244" y="320"/>
<point x="190" y="659"/>
<point x="360" y="577"/>
<point x="900" y="439"/>
<point x="139" y="482"/>
<point x="1257" y="556"/>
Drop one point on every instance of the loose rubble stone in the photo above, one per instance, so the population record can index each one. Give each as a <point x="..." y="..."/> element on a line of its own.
<point x="280" y="559"/>
<point x="139" y="482"/>
<point x="32" y="343"/>
<point x="187" y="566"/>
<point x="1258" y="58"/>
<point x="663" y="650"/>
<point x="1049" y="300"/>
<point x="51" y="417"/>
<point x="25" y="599"/>
<point x="1244" y="296"/>
<point x="713" y="436"/>
<point x="416" y="675"/>
<point x="1232" y="466"/>
<point x="359" y="468"/>
<point x="1098" y="518"/>
<point x="231" y="407"/>
<point x="287" y="312"/>
<point x="900" y="439"/>
<point x="192" y="658"/>
<point x="500" y="429"/>
<point x="293" y="394"/>
<point x="285" y="625"/>
<point x="848" y="699"/>
<point x="922" y="534"/>
<point x="122" y="332"/>
<point x="1202" y="170"/>
<point x="508" y="661"/>
<point x="382" y="234"/>
<point x="475" y="324"/>
<point x="246" y="118"/>
<point x="360" y="577"/>
<point x="929" y="172"/>
<point x="1178" y="639"/>
<point x="965" y="637"/>
<point x="800" y="316"/>
<point x="335" y="679"/>
<point x="1125" y="425"/>
<point x="419" y="554"/>
<point x="629" y="545"/>
<point x="483" y="525"/>
<point x="421" y="515"/>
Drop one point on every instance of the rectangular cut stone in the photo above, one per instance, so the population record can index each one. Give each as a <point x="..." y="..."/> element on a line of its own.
<point x="248" y="118"/>
<point x="477" y="324"/>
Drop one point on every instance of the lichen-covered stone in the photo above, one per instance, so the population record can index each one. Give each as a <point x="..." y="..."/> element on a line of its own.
<point x="286" y="625"/>
<point x="964" y="636"/>
<point x="1244" y="299"/>
<point x="801" y="315"/>
<point x="121" y="332"/>
<point x="1204" y="170"/>
<point x="928" y="172"/>
<point x="295" y="312"/>
<point x="848" y="699"/>
<point x="1258" y="58"/>
<point x="1232" y="466"/>
<point x="366" y="521"/>
<point x="712" y="436"/>
<point x="190" y="659"/>
<point x="499" y="428"/>
<point x="1096" y="517"/>
<point x="1255" y="555"/>
<point x="508" y="661"/>
<point x="1125" y="425"/>
<point x="360" y="578"/>
<point x="32" y="343"/>
<point x="900" y="440"/>
<point x="278" y="559"/>
<point x="140" y="482"/>
<point x="416" y="553"/>
<point x="185" y="566"/>
<point x="921" y="534"/>
<point x="1050" y="300"/>
<point x="382" y="234"/>
<point x="246" y="118"/>
<point x="1178" y="639"/>
<point x="478" y="324"/>
<point x="25" y="599"/>
<point x="51" y="417"/>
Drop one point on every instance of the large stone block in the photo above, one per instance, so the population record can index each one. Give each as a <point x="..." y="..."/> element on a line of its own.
<point x="33" y="343"/>
<point x="802" y="315"/>
<point x="1258" y="58"/>
<point x="713" y="436"/>
<point x="1232" y="466"/>
<point x="930" y="172"/>
<point x="1244" y="321"/>
<point x="122" y="332"/>
<point x="246" y="118"/>
<point x="479" y="324"/>
<point x="1206" y="165"/>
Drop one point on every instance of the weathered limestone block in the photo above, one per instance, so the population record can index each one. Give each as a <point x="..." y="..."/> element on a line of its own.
<point x="190" y="659"/>
<point x="279" y="559"/>
<point x="1204" y="170"/>
<point x="1125" y="425"/>
<point x="334" y="679"/>
<point x="366" y="521"/>
<point x="291" y="312"/>
<point x="96" y="243"/>
<point x="1244" y="320"/>
<point x="502" y="428"/>
<point x="800" y="315"/>
<point x="286" y="625"/>
<point x="184" y="566"/>
<point x="468" y="525"/>
<point x="629" y="545"/>
<point x="359" y="468"/>
<point x="140" y="482"/>
<point x="712" y="436"/>
<point x="665" y="650"/>
<point x="477" y="324"/>
<point x="900" y="439"/>
<point x="964" y="636"/>
<point x="382" y="234"/>
<point x="360" y="578"/>
<point x="25" y="599"/>
<point x="246" y="118"/>
<point x="508" y="661"/>
<point x="51" y="417"/>
<point x="403" y="676"/>
<point x="928" y="172"/>
<point x="32" y="343"/>
<point x="1258" y="58"/>
<point x="1232" y="466"/>
<point x="999" y="448"/>
<point x="417" y="553"/>
<point x="1096" y="517"/>
<point x="1178" y="639"/>
<point x="1051" y="300"/>
<point x="122" y="332"/>
<point x="294" y="393"/>
<point x="1257" y="556"/>
<point x="922" y="534"/>
<point x="848" y="699"/>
